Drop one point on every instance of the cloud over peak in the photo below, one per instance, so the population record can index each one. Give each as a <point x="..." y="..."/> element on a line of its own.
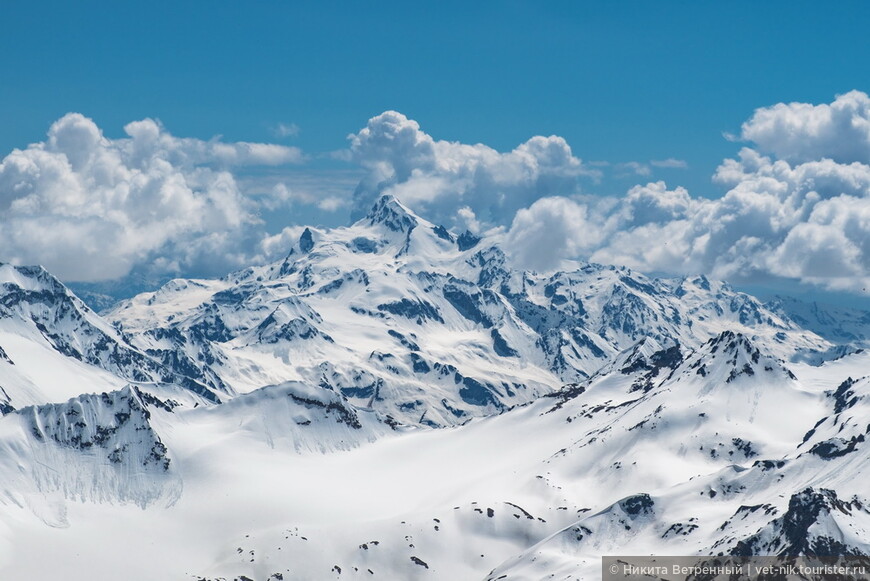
<point x="795" y="206"/>
<point x="437" y="177"/>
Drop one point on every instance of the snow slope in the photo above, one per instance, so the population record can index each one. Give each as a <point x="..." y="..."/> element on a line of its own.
<point x="294" y="480"/>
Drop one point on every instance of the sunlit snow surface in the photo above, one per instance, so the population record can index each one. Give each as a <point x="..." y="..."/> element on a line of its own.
<point x="280" y="424"/>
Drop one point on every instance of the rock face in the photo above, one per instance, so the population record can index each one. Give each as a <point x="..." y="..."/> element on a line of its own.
<point x="395" y="401"/>
<point x="113" y="424"/>
<point x="95" y="447"/>
<point x="812" y="525"/>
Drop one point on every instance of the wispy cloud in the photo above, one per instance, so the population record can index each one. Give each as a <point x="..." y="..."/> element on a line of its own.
<point x="283" y="195"/>
<point x="645" y="169"/>
<point x="670" y="163"/>
<point x="283" y="130"/>
<point x="632" y="168"/>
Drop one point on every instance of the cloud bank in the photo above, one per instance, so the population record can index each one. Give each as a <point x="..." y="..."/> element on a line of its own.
<point x="91" y="208"/>
<point x="797" y="204"/>
<point x="796" y="207"/>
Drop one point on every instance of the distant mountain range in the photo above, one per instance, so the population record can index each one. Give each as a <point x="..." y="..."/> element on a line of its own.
<point x="393" y="400"/>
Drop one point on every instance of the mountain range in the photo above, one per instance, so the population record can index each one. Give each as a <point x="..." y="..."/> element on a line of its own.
<point x="393" y="400"/>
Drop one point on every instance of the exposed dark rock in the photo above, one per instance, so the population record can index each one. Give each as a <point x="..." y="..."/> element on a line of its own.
<point x="306" y="241"/>
<point x="470" y="303"/>
<point x="476" y="393"/>
<point x="791" y="534"/>
<point x="117" y="422"/>
<point x="844" y="396"/>
<point x="388" y="212"/>
<point x="836" y="447"/>
<point x="442" y="233"/>
<point x="419" y="310"/>
<point x="364" y="245"/>
<point x="403" y="340"/>
<point x="637" y="505"/>
<point x="345" y="414"/>
<point x="467" y="241"/>
<point x="501" y="346"/>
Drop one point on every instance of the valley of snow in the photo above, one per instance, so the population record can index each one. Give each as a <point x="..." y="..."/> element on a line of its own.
<point x="394" y="401"/>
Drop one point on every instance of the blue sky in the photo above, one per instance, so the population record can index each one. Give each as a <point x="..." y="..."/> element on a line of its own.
<point x="624" y="84"/>
<point x="620" y="81"/>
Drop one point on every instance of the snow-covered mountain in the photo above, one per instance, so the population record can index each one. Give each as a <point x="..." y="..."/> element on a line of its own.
<point x="53" y="346"/>
<point x="759" y="462"/>
<point x="395" y="401"/>
<point x="403" y="317"/>
<point x="94" y="447"/>
<point x="841" y="325"/>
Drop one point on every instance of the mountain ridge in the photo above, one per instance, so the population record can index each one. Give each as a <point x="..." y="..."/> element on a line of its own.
<point x="394" y="400"/>
<point x="395" y="271"/>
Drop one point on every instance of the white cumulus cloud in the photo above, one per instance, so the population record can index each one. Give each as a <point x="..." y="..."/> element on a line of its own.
<point x="438" y="178"/>
<point x="801" y="132"/>
<point x="797" y="207"/>
<point x="550" y="230"/>
<point x="92" y="208"/>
